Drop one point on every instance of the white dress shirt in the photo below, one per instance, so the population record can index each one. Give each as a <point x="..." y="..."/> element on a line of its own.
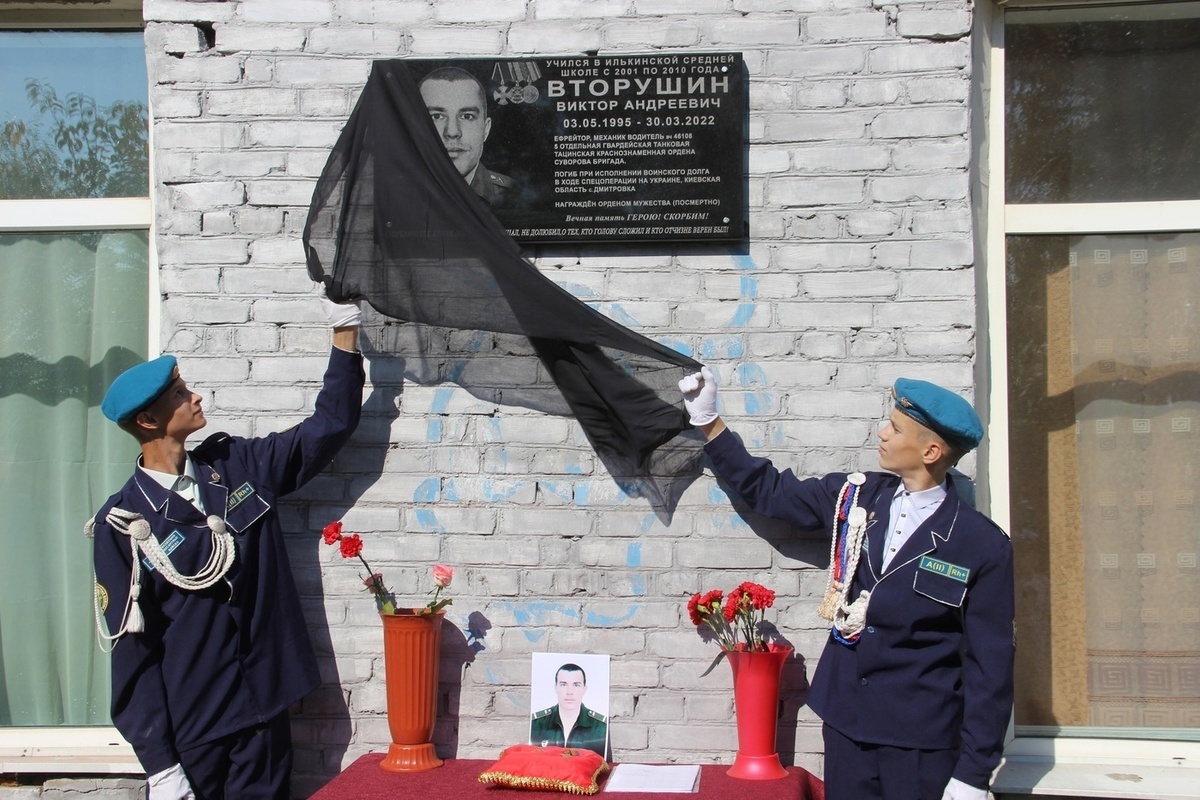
<point x="909" y="510"/>
<point x="184" y="485"/>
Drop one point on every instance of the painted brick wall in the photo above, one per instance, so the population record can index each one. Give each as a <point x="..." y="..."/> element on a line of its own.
<point x="859" y="270"/>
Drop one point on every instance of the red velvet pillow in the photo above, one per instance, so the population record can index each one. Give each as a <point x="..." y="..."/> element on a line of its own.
<point x="557" y="769"/>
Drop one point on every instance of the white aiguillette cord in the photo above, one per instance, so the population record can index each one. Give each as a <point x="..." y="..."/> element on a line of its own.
<point x="134" y="525"/>
<point x="848" y="618"/>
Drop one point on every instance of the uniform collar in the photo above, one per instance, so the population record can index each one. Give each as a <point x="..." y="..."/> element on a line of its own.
<point x="166" y="479"/>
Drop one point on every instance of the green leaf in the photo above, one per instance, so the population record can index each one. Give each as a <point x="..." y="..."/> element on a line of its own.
<point x="713" y="665"/>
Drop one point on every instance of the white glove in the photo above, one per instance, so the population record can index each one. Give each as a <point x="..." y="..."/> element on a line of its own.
<point x="957" y="790"/>
<point x="170" y="784"/>
<point x="700" y="396"/>
<point x="340" y="315"/>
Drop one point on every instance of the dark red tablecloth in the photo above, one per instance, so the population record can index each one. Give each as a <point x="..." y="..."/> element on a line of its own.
<point x="459" y="779"/>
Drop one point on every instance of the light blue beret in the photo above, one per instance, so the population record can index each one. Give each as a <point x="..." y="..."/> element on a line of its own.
<point x="137" y="387"/>
<point x="941" y="410"/>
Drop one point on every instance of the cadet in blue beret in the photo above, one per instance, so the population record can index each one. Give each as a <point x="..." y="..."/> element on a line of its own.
<point x="202" y="617"/>
<point x="915" y="685"/>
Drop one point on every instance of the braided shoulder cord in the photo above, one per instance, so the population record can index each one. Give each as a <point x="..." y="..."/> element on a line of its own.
<point x="849" y="530"/>
<point x="133" y="525"/>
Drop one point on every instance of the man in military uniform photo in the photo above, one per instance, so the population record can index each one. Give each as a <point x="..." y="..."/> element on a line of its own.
<point x="570" y="723"/>
<point x="209" y="645"/>
<point x="457" y="104"/>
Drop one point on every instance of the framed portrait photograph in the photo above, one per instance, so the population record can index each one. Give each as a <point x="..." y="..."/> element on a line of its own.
<point x="569" y="701"/>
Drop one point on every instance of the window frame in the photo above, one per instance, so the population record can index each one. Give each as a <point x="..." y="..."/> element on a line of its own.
<point x="96" y="749"/>
<point x="1081" y="762"/>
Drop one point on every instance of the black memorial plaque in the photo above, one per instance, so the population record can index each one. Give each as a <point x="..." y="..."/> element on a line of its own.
<point x="598" y="148"/>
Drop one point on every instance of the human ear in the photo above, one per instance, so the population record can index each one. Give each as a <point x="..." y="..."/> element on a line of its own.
<point x="146" y="420"/>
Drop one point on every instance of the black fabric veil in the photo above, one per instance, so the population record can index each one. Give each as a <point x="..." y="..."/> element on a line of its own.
<point x="393" y="222"/>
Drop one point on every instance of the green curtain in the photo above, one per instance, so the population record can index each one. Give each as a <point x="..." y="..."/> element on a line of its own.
<point x="73" y="314"/>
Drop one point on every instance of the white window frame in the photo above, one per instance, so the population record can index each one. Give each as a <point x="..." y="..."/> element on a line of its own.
<point x="99" y="749"/>
<point x="1078" y="762"/>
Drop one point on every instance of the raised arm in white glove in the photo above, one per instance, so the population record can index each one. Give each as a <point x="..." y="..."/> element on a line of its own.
<point x="170" y="784"/>
<point x="340" y="315"/>
<point x="957" y="790"/>
<point x="700" y="396"/>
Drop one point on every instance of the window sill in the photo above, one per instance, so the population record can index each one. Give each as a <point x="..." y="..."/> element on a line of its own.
<point x="1131" y="769"/>
<point x="66" y="751"/>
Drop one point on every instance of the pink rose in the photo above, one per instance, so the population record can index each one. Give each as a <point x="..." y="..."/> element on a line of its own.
<point x="442" y="575"/>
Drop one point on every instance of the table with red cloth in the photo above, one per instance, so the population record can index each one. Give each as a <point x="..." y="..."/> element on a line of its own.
<point x="459" y="779"/>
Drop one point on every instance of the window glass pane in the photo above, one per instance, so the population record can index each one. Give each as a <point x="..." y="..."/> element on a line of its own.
<point x="74" y="311"/>
<point x="1104" y="403"/>
<point x="1103" y="105"/>
<point x="73" y="111"/>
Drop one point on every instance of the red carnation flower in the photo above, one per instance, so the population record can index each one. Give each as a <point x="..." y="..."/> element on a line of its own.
<point x="351" y="545"/>
<point x="332" y="532"/>
<point x="760" y="596"/>
<point x="732" y="604"/>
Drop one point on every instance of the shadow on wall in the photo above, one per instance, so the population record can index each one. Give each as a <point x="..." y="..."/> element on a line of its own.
<point x="322" y="726"/>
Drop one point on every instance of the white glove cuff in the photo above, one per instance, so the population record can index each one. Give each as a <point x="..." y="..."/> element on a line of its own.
<point x="341" y="315"/>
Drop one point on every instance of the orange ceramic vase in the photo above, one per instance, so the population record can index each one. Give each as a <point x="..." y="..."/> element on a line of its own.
<point x="756" y="700"/>
<point x="411" y="657"/>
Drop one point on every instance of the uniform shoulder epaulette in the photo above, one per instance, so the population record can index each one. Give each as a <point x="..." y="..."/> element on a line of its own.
<point x="501" y="180"/>
<point x="596" y="715"/>
<point x="542" y="714"/>
<point x="212" y="444"/>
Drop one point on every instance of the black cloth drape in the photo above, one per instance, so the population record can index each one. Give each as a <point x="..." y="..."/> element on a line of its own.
<point x="392" y="222"/>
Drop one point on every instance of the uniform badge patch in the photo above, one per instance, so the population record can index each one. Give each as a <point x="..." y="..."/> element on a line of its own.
<point x="239" y="494"/>
<point x="101" y="597"/>
<point x="945" y="568"/>
<point x="168" y="546"/>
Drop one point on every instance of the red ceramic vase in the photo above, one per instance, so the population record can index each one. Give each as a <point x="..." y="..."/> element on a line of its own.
<point x="412" y="644"/>
<point x="756" y="699"/>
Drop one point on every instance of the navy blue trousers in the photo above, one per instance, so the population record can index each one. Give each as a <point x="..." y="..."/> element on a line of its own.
<point x="857" y="771"/>
<point x="252" y="764"/>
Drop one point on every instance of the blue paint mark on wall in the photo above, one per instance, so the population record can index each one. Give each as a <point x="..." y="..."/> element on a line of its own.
<point x="618" y="313"/>
<point x="724" y="347"/>
<point x="748" y="291"/>
<point x="433" y="427"/>
<point x="427" y="519"/>
<point x="633" y="555"/>
<point x="578" y="289"/>
<point x="535" y="636"/>
<point x="427" y="492"/>
<point x="540" y="613"/>
<point x="677" y="346"/>
<point x="495" y="492"/>
<point x="582" y="492"/>
<point x="609" y="620"/>
<point x="638" y="586"/>
<point x="716" y="496"/>
<point x="557" y="488"/>
<point x="753" y="375"/>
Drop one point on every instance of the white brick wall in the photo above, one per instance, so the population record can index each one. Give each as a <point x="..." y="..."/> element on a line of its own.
<point x="859" y="270"/>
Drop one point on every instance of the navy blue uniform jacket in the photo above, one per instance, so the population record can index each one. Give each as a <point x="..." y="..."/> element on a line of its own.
<point x="934" y="668"/>
<point x="220" y="660"/>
